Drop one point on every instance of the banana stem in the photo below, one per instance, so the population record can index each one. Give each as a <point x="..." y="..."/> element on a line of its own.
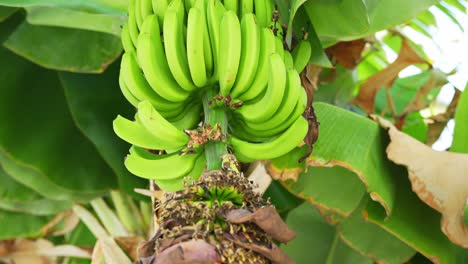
<point x="214" y="150"/>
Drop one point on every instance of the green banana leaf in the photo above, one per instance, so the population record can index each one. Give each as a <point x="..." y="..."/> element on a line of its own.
<point x="17" y="225"/>
<point x="15" y="197"/>
<point x="94" y="6"/>
<point x="40" y="145"/>
<point x="5" y="12"/>
<point x="68" y="18"/>
<point x="94" y="101"/>
<point x="65" y="49"/>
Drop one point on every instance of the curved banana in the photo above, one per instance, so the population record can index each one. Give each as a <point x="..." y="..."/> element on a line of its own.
<point x="195" y="47"/>
<point x="279" y="48"/>
<point x="126" y="93"/>
<point x="135" y="134"/>
<point x="153" y="62"/>
<point x="165" y="167"/>
<point x="263" y="11"/>
<point x="132" y="24"/>
<point x="246" y="7"/>
<point x="231" y="5"/>
<point x="139" y="87"/>
<point x="157" y="125"/>
<point x="267" y="106"/>
<point x="250" y="50"/>
<point x="288" y="60"/>
<point x="274" y="148"/>
<point x="301" y="55"/>
<point x="127" y="42"/>
<point x="189" y="118"/>
<point x="267" y="133"/>
<point x="138" y="15"/>
<point x="267" y="47"/>
<point x="207" y="52"/>
<point x="288" y="103"/>
<point x="214" y="14"/>
<point x="229" y="51"/>
<point x="146" y="9"/>
<point x="159" y="8"/>
<point x="174" y="45"/>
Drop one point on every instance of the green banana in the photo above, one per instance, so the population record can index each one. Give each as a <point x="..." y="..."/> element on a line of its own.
<point x="250" y="50"/>
<point x="267" y="133"/>
<point x="246" y="7"/>
<point x="288" y="103"/>
<point x="195" y="47"/>
<point x="138" y="15"/>
<point x="189" y="4"/>
<point x="189" y="118"/>
<point x="229" y="51"/>
<point x="157" y="125"/>
<point x="159" y="8"/>
<point x="143" y="153"/>
<point x="135" y="134"/>
<point x="126" y="93"/>
<point x="263" y="11"/>
<point x="146" y="9"/>
<point x="267" y="106"/>
<point x="288" y="60"/>
<point x="207" y="52"/>
<point x="301" y="55"/>
<point x="127" y="42"/>
<point x="166" y="167"/>
<point x="153" y="62"/>
<point x="132" y="24"/>
<point x="267" y="47"/>
<point x="231" y="5"/>
<point x="279" y="48"/>
<point x="214" y="14"/>
<point x="274" y="148"/>
<point x="174" y="45"/>
<point x="139" y="87"/>
<point x="198" y="168"/>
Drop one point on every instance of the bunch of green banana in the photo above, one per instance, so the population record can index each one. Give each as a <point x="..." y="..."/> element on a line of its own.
<point x="174" y="51"/>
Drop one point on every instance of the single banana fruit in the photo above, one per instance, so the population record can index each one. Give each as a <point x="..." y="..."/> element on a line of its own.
<point x="126" y="93"/>
<point x="195" y="47"/>
<point x="138" y="15"/>
<point x="153" y="62"/>
<point x="279" y="48"/>
<point x="274" y="148"/>
<point x="139" y="87"/>
<point x="301" y="55"/>
<point x="229" y="51"/>
<point x="267" y="47"/>
<point x="214" y="13"/>
<point x="231" y="5"/>
<point x="207" y="49"/>
<point x="135" y="134"/>
<point x="246" y="7"/>
<point x="250" y="50"/>
<point x="189" y="118"/>
<point x="127" y="42"/>
<point x="146" y="9"/>
<point x="174" y="45"/>
<point x="177" y="184"/>
<point x="288" y="60"/>
<point x="264" y="12"/>
<point x="165" y="167"/>
<point x="157" y="125"/>
<point x="132" y="24"/>
<point x="267" y="106"/>
<point x="159" y="8"/>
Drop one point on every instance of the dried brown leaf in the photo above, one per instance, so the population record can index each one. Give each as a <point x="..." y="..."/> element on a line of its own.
<point x="347" y="53"/>
<point x="130" y="245"/>
<point x="25" y="251"/>
<point x="438" y="178"/>
<point x="385" y="78"/>
<point x="192" y="251"/>
<point x="440" y="121"/>
<point x="267" y="218"/>
<point x="275" y="254"/>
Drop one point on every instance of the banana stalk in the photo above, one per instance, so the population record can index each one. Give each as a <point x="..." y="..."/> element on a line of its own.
<point x="214" y="116"/>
